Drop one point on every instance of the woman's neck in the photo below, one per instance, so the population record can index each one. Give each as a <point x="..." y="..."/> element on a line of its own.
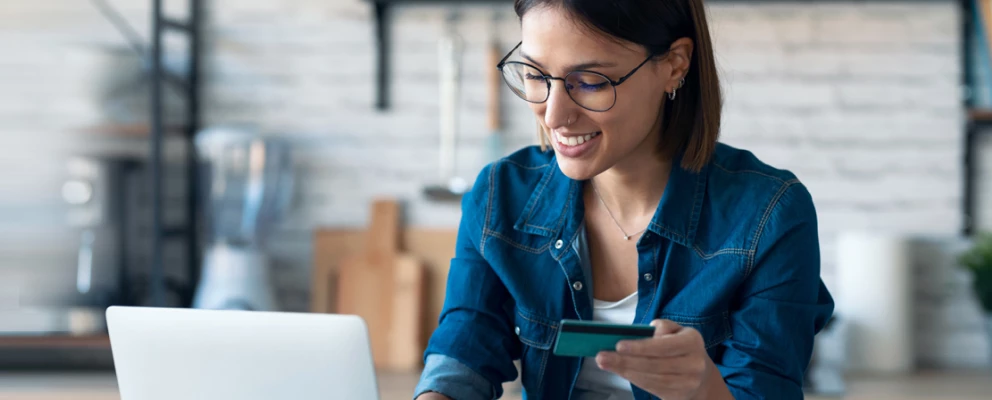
<point x="633" y="188"/>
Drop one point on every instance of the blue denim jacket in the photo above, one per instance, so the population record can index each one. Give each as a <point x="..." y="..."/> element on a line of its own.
<point x="732" y="252"/>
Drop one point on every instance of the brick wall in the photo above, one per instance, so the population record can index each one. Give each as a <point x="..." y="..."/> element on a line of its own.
<point x="861" y="100"/>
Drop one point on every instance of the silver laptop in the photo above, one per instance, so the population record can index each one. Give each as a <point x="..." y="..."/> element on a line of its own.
<point x="169" y="354"/>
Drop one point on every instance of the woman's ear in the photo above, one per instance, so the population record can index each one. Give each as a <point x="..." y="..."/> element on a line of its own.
<point x="679" y="58"/>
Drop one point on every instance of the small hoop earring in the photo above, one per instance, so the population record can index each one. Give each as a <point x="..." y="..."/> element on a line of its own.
<point x="671" y="96"/>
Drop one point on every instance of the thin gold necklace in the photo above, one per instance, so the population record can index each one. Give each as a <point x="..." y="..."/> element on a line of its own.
<point x="625" y="235"/>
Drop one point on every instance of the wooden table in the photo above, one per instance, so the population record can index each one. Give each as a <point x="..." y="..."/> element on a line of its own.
<point x="936" y="385"/>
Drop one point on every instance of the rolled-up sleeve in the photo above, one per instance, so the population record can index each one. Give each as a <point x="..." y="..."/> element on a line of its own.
<point x="448" y="376"/>
<point x="782" y="304"/>
<point x="470" y="354"/>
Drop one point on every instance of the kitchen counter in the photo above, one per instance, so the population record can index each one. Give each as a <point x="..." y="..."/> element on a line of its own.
<point x="962" y="385"/>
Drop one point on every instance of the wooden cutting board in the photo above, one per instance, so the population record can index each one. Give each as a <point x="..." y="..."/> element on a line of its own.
<point x="435" y="246"/>
<point x="406" y="330"/>
<point x="387" y="288"/>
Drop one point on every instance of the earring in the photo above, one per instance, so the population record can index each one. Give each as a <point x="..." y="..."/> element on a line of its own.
<point x="671" y="96"/>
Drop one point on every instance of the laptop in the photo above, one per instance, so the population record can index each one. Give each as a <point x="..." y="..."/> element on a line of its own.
<point x="178" y="353"/>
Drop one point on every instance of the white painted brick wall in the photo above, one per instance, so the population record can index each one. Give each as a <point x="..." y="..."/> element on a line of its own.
<point x="860" y="99"/>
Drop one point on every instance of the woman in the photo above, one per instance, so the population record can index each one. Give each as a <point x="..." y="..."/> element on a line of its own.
<point x="635" y="215"/>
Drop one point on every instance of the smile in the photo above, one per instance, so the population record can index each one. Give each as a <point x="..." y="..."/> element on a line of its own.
<point x="575" y="140"/>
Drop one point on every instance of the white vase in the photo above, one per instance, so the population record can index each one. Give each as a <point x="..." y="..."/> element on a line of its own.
<point x="874" y="282"/>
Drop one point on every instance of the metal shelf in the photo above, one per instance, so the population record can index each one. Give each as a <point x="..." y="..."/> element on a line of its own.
<point x="128" y="130"/>
<point x="981" y="116"/>
<point x="381" y="17"/>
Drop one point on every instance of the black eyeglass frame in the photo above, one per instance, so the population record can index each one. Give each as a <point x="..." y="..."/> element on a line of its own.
<point x="548" y="78"/>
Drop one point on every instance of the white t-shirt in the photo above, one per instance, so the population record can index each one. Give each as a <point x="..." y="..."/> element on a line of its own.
<point x="594" y="383"/>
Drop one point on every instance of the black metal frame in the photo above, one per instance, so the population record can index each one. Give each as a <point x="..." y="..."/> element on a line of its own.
<point x="564" y="80"/>
<point x="190" y="86"/>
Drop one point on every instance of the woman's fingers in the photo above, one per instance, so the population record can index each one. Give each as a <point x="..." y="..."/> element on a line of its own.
<point x="685" y="341"/>
<point x="618" y="363"/>
<point x="664" y="327"/>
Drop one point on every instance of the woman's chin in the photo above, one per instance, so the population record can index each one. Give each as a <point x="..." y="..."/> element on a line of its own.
<point x="577" y="170"/>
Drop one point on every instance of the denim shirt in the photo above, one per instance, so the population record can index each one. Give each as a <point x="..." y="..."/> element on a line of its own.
<point x="732" y="251"/>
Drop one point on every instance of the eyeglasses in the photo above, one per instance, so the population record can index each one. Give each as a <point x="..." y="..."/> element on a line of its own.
<point x="590" y="90"/>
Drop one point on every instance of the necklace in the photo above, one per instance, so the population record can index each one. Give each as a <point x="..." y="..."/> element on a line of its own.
<point x="625" y="235"/>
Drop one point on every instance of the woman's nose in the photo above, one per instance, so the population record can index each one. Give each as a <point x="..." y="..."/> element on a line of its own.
<point x="559" y="107"/>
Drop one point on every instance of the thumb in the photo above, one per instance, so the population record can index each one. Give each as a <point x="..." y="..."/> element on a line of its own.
<point x="664" y="327"/>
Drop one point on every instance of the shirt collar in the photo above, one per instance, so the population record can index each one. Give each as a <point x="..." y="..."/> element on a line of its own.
<point x="557" y="199"/>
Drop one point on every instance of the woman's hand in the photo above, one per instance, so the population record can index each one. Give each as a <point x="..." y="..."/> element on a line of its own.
<point x="672" y="365"/>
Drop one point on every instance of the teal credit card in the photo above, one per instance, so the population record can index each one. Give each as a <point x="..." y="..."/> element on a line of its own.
<point x="587" y="338"/>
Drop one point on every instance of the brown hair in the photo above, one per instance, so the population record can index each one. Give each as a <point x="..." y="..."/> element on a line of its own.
<point x="692" y="121"/>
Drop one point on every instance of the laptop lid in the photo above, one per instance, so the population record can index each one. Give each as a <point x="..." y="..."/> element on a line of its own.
<point x="175" y="353"/>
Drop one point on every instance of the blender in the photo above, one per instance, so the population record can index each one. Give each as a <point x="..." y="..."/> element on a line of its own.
<point x="247" y="184"/>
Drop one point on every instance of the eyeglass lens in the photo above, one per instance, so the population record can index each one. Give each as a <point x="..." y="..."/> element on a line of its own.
<point x="588" y="89"/>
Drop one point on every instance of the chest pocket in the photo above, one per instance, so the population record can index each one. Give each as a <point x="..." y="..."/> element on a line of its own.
<point x="533" y="330"/>
<point x="537" y="334"/>
<point x="714" y="328"/>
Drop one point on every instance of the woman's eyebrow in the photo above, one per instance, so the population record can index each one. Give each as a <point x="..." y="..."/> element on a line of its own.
<point x="585" y="65"/>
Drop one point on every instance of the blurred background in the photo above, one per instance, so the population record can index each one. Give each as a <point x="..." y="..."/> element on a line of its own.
<point x="258" y="154"/>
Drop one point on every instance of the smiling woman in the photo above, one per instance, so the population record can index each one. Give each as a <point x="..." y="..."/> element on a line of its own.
<point x="629" y="212"/>
<point x="668" y="41"/>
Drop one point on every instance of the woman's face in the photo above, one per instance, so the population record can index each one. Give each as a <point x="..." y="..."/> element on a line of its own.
<point x="625" y="134"/>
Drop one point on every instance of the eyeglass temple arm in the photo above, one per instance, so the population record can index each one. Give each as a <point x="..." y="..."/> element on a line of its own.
<point x="507" y="56"/>
<point x="624" y="78"/>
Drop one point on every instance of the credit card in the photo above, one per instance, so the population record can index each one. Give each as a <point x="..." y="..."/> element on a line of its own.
<point x="578" y="338"/>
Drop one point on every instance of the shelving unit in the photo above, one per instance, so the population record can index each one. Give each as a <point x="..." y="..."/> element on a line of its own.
<point x="978" y="119"/>
<point x="190" y="84"/>
<point x="156" y="132"/>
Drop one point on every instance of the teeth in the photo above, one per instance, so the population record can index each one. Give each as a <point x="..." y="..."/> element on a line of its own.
<point x="576" y="140"/>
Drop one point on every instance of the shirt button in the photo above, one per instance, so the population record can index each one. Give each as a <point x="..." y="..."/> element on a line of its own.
<point x="559" y="243"/>
<point x="648" y="277"/>
<point x="517" y="330"/>
<point x="577" y="285"/>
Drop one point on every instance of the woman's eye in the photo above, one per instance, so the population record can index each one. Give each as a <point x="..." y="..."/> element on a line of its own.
<point x="592" y="87"/>
<point x="534" y="77"/>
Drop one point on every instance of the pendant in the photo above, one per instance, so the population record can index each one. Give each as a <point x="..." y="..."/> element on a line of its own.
<point x="626" y="237"/>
